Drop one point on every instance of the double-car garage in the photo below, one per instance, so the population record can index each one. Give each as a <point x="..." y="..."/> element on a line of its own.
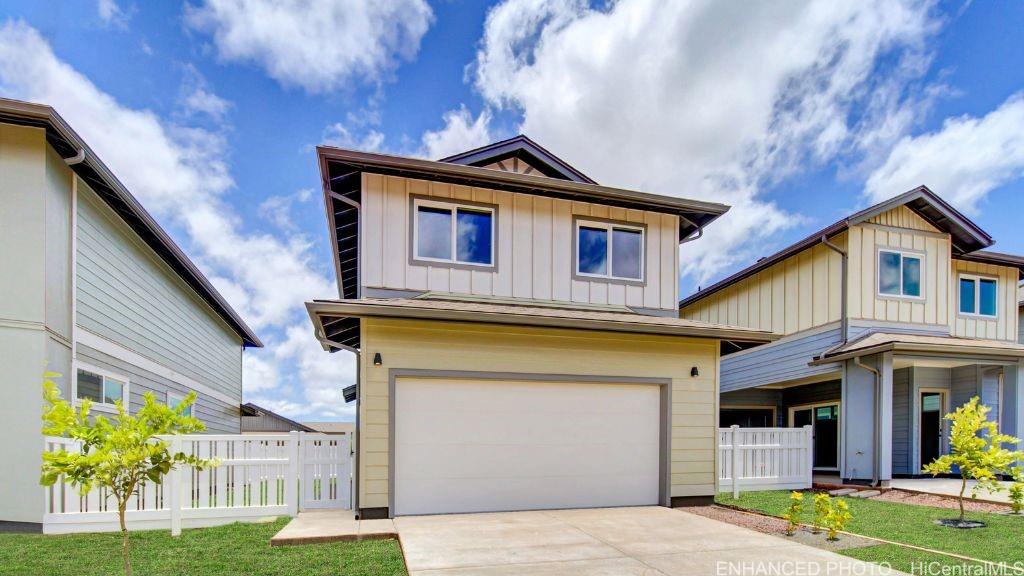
<point x="494" y="444"/>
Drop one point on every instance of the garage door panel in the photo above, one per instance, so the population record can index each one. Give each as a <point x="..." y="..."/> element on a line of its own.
<point x="484" y="445"/>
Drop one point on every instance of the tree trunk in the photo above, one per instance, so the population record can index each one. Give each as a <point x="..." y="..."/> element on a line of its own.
<point x="963" y="488"/>
<point x="121" y="505"/>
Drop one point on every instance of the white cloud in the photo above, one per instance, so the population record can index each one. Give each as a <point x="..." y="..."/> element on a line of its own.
<point x="342" y="136"/>
<point x="111" y="14"/>
<point x="461" y="132"/>
<point x="707" y="99"/>
<point x="318" y="45"/>
<point x="278" y="209"/>
<point x="180" y="173"/>
<point x="962" y="162"/>
<point x="197" y="98"/>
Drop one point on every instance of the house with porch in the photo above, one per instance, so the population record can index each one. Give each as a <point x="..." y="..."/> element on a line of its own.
<point x="505" y="310"/>
<point x="888" y="319"/>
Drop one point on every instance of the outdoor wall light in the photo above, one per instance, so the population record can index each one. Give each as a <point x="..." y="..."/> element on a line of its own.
<point x="377" y="361"/>
<point x="694" y="372"/>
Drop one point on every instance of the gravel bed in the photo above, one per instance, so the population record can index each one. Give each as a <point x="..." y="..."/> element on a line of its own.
<point x="939" y="501"/>
<point x="777" y="527"/>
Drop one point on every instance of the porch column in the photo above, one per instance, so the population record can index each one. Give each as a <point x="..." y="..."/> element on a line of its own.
<point x="885" y="414"/>
<point x="864" y="407"/>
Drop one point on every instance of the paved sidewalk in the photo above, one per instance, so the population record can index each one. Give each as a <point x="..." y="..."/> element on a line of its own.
<point x="320" y="526"/>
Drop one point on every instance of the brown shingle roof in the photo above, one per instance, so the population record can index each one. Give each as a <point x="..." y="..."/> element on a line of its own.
<point x="876" y="342"/>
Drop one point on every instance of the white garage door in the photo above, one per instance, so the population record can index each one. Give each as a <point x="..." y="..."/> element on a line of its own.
<point x="486" y="445"/>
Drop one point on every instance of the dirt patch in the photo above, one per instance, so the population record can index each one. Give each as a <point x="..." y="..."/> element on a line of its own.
<point x="777" y="527"/>
<point x="939" y="501"/>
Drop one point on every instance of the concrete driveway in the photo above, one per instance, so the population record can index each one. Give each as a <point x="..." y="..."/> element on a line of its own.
<point x="649" y="541"/>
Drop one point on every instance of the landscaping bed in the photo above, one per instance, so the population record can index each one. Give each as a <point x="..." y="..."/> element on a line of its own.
<point x="940" y="501"/>
<point x="911" y="524"/>
<point x="234" y="549"/>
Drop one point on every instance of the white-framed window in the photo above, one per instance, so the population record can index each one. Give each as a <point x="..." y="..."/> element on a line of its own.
<point x="900" y="274"/>
<point x="103" y="387"/>
<point x="609" y="250"/>
<point x="978" y="296"/>
<point x="174" y="399"/>
<point x="453" y="233"/>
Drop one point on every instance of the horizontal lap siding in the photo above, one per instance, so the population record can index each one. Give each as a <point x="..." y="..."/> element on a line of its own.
<point x="778" y="362"/>
<point x="533" y="247"/>
<point x="797" y="294"/>
<point x="129" y="296"/>
<point x="217" y="415"/>
<point x="477" y="347"/>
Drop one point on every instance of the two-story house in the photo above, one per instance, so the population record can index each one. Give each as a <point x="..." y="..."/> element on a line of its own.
<point x="518" y="340"/>
<point x="93" y="289"/>
<point x="889" y="319"/>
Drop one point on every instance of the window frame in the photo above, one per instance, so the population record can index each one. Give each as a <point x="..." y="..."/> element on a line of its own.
<point x="454" y="205"/>
<point x="976" y="278"/>
<point x="104" y="374"/>
<point x="608" y="225"/>
<point x="903" y="253"/>
<point x="180" y="398"/>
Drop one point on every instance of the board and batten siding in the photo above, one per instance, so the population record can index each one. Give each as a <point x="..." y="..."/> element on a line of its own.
<point x="127" y="295"/>
<point x="799" y="293"/>
<point x="415" y="344"/>
<point x="533" y="247"/>
<point x="218" y="416"/>
<point x="1005" y="325"/>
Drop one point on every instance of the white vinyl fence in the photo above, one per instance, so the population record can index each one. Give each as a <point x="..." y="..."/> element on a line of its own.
<point x="258" y="476"/>
<point x="755" y="459"/>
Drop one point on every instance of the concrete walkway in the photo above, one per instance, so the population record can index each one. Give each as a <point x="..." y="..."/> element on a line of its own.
<point x="320" y="526"/>
<point x="649" y="541"/>
<point x="949" y="487"/>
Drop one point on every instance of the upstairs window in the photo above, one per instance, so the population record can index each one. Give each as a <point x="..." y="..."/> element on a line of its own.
<point x="173" y="400"/>
<point x="609" y="250"/>
<point x="979" y="296"/>
<point x="452" y="233"/>
<point x="103" y="389"/>
<point x="900" y="273"/>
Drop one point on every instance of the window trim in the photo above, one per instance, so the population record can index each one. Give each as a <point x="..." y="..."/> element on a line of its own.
<point x="976" y="278"/>
<point x="609" y="225"/>
<point x="417" y="200"/>
<point x="920" y="256"/>
<point x="97" y="405"/>
<point x="180" y="398"/>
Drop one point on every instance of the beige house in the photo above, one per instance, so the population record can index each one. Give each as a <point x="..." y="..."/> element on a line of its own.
<point x="517" y="334"/>
<point x="887" y="319"/>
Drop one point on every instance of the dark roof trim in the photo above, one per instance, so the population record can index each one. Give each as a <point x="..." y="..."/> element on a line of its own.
<point x="523" y="147"/>
<point x="250" y="409"/>
<point x="98" y="176"/>
<point x="967" y="237"/>
<point x="694" y="214"/>
<point x="997" y="258"/>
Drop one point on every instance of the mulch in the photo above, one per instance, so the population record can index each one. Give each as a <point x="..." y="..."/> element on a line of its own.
<point x="940" y="501"/>
<point x="777" y="527"/>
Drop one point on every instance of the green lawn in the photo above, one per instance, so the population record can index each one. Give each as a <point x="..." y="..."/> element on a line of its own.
<point x="236" y="549"/>
<point x="1000" y="541"/>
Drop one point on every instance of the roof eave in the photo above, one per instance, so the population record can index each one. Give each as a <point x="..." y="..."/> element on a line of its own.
<point x="919" y="348"/>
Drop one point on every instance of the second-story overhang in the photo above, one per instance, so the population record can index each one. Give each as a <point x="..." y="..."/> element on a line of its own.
<point x="337" y="321"/>
<point x="341" y="170"/>
<point x="920" y="344"/>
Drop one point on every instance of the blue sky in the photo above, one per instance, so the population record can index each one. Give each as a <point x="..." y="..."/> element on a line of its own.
<point x="795" y="113"/>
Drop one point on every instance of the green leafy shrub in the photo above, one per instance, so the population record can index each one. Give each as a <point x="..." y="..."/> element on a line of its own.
<point x="1017" y="496"/>
<point x="977" y="451"/>
<point x="822" y="506"/>
<point x="118" y="454"/>
<point x="837" y="517"/>
<point x="796" y="510"/>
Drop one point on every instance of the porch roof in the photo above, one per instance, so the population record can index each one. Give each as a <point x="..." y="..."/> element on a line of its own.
<point x="337" y="321"/>
<point x="876" y="342"/>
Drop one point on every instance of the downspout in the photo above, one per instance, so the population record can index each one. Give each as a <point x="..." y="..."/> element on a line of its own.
<point x="844" y="321"/>
<point x="359" y="398"/>
<point x="876" y="449"/>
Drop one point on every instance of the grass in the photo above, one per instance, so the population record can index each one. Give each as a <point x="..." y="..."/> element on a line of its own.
<point x="999" y="541"/>
<point x="236" y="549"/>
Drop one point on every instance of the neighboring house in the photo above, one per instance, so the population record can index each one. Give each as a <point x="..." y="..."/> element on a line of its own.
<point x="517" y="335"/>
<point x="898" y="302"/>
<point x="259" y="420"/>
<point x="332" y="427"/>
<point x="92" y="288"/>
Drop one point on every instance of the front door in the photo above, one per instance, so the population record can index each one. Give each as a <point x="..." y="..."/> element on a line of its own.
<point x="824" y="420"/>
<point x="931" y="426"/>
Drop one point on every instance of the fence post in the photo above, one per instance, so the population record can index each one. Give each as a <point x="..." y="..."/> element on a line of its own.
<point x="735" y="429"/>
<point x="291" y="481"/>
<point x="174" y="486"/>
<point x="809" y="442"/>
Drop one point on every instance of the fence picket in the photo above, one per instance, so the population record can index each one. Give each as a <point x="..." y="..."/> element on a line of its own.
<point x="764" y="458"/>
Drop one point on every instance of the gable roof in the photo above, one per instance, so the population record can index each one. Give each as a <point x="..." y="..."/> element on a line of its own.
<point x="70" y="146"/>
<point x="523" y="148"/>
<point x="341" y="169"/>
<point x="259" y="419"/>
<point x="967" y="238"/>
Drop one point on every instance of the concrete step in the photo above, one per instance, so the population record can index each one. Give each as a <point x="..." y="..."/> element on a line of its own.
<point x="842" y="492"/>
<point x="865" y="494"/>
